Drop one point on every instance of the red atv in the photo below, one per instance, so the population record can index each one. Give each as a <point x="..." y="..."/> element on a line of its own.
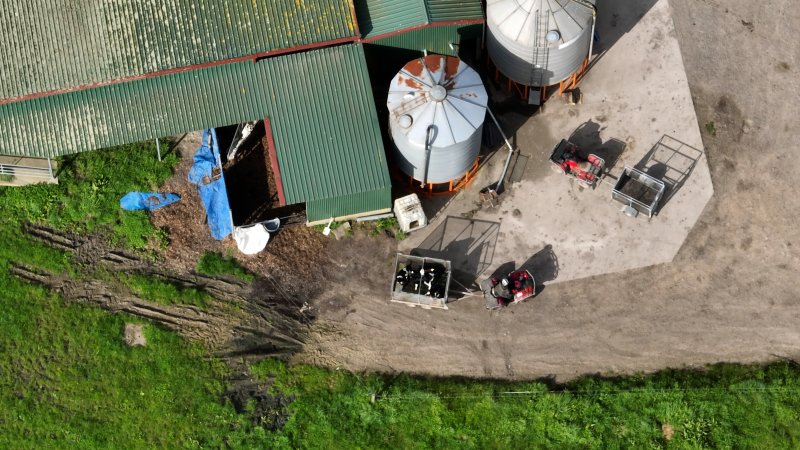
<point x="566" y="159"/>
<point x="516" y="287"/>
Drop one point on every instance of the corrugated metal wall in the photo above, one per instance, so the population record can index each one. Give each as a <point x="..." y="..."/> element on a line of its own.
<point x="56" y="44"/>
<point x="376" y="17"/>
<point x="450" y="10"/>
<point x="350" y="205"/>
<point x="320" y="104"/>
<point x="435" y="39"/>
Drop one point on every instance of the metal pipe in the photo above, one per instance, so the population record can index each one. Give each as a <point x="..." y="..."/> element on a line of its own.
<point x="158" y="149"/>
<point x="591" y="38"/>
<point x="510" y="150"/>
<point x="375" y="217"/>
<point x="50" y="167"/>
<point x="428" y="134"/>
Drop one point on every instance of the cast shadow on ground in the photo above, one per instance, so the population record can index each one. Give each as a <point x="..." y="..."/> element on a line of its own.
<point x="543" y="265"/>
<point x="468" y="244"/>
<point x="615" y="18"/>
<point x="671" y="161"/>
<point x="587" y="138"/>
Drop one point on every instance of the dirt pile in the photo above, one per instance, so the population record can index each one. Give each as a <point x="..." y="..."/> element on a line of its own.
<point x="291" y="258"/>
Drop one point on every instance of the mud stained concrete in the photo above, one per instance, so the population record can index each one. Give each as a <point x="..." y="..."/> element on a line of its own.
<point x="730" y="294"/>
<point x="635" y="94"/>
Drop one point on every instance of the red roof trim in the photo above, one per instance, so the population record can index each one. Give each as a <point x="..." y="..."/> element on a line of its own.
<point x="355" y="18"/>
<point x="273" y="161"/>
<point x="253" y="57"/>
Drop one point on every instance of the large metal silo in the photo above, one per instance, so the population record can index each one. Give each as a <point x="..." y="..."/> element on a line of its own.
<point x="539" y="42"/>
<point x="437" y="105"/>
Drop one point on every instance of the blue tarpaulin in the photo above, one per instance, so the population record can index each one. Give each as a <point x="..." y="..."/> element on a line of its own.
<point x="206" y="174"/>
<point x="148" y="201"/>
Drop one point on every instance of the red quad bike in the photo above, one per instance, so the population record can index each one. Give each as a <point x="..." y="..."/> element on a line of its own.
<point x="516" y="287"/>
<point x="566" y="159"/>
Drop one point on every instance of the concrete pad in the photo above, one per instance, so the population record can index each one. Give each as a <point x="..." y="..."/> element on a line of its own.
<point x="637" y="109"/>
<point x="21" y="171"/>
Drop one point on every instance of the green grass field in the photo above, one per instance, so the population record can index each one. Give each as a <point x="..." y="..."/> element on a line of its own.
<point x="68" y="380"/>
<point x="727" y="406"/>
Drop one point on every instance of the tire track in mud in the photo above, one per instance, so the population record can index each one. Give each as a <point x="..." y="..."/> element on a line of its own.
<point x="244" y="322"/>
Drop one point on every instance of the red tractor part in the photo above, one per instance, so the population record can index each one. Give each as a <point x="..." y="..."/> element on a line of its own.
<point x="566" y="159"/>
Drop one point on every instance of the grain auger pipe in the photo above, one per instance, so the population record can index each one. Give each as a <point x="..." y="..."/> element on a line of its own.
<point x="499" y="186"/>
<point x="428" y="143"/>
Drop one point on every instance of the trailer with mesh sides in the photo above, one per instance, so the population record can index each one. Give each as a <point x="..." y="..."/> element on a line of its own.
<point x="421" y="281"/>
<point x="638" y="191"/>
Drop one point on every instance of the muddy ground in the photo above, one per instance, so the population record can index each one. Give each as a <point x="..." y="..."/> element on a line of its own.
<point x="731" y="294"/>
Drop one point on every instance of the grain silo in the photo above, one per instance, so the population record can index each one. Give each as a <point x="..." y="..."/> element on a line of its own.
<point x="540" y="42"/>
<point x="437" y="105"/>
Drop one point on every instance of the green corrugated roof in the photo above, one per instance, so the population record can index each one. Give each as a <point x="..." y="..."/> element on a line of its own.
<point x="323" y="120"/>
<point x="433" y="39"/>
<point x="448" y="10"/>
<point x="49" y="45"/>
<point x="378" y="17"/>
<point x="353" y="204"/>
<point x="326" y="133"/>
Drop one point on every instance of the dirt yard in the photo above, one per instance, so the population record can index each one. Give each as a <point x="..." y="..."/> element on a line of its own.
<point x="731" y="294"/>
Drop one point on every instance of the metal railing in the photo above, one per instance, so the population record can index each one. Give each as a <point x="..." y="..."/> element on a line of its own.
<point x="15" y="170"/>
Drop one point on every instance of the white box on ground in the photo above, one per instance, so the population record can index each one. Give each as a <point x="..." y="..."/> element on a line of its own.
<point x="409" y="213"/>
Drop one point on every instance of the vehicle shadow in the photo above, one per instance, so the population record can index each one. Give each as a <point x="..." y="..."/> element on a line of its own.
<point x="671" y="161"/>
<point x="543" y="265"/>
<point x="587" y="138"/>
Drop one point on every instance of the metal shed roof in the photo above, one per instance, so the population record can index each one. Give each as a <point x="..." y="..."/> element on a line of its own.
<point x="378" y="18"/>
<point x="453" y="10"/>
<point x="52" y="45"/>
<point x="324" y="121"/>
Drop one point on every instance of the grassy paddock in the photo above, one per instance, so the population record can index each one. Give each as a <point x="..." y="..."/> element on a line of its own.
<point x="725" y="406"/>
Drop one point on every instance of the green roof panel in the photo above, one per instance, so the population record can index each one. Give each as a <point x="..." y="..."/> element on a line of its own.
<point x="435" y="39"/>
<point x="376" y="201"/>
<point x="380" y="17"/>
<point x="453" y="10"/>
<point x="61" y="44"/>
<point x="377" y="17"/>
<point x="324" y="121"/>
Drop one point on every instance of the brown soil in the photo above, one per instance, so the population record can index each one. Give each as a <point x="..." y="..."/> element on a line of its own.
<point x="291" y="257"/>
<point x="134" y="335"/>
<point x="732" y="293"/>
<point x="185" y="221"/>
<point x="667" y="431"/>
<point x="241" y="323"/>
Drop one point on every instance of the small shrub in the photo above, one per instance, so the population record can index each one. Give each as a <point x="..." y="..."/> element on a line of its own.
<point x="389" y="223"/>
<point x="711" y="129"/>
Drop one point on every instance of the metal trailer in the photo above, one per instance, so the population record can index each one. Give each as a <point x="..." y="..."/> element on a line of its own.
<point x="415" y="295"/>
<point x="638" y="191"/>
